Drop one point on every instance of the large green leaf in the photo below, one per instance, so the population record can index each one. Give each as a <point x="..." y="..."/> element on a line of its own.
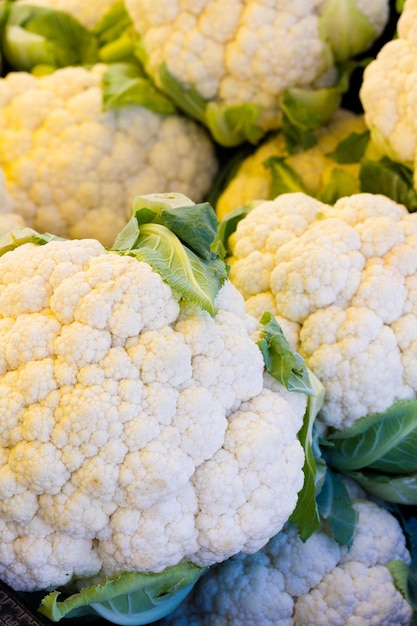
<point x="384" y="442"/>
<point x="281" y="361"/>
<point x="125" y="84"/>
<point x="399" y="489"/>
<point x="306" y="513"/>
<point x="390" y="178"/>
<point x="335" y="506"/>
<point x="35" y="35"/>
<point x="344" y="26"/>
<point x="128" y="598"/>
<point x="351" y="149"/>
<point x="192" y="278"/>
<point x="176" y="238"/>
<point x="284" y="178"/>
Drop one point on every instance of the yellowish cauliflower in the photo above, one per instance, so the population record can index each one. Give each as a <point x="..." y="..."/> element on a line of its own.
<point x="253" y="180"/>
<point x="72" y="169"/>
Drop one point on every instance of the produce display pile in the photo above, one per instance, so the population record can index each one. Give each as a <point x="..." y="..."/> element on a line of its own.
<point x="208" y="311"/>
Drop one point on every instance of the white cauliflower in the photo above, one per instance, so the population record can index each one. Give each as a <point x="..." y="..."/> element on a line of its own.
<point x="229" y="63"/>
<point x="392" y="118"/>
<point x="295" y="583"/>
<point x="137" y="430"/>
<point x="72" y="169"/>
<point x="342" y="282"/>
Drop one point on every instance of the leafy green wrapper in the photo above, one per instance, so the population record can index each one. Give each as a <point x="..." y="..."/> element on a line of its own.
<point x="336" y="509"/>
<point x="390" y="178"/>
<point x="229" y="125"/>
<point x="379" y="452"/>
<point x="126" y="84"/>
<point x="290" y="370"/>
<point x="34" y="35"/>
<point x="285" y="365"/>
<point x="129" y="598"/>
<point x="176" y="238"/>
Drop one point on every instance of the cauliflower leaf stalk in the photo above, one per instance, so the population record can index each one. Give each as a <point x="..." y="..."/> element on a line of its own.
<point x="290" y="369"/>
<point x="131" y="598"/>
<point x="36" y="36"/>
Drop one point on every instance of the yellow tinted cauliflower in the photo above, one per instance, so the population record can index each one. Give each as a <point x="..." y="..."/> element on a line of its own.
<point x="71" y="168"/>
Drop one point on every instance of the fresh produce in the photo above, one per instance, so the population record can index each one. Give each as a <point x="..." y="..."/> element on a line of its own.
<point x="243" y="69"/>
<point x="295" y="583"/>
<point x="141" y="431"/>
<point x="44" y="35"/>
<point x="341" y="280"/>
<point x="75" y="151"/>
<point x="329" y="169"/>
<point x="392" y="118"/>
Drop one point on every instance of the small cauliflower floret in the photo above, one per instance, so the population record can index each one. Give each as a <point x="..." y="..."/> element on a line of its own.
<point x="294" y="583"/>
<point x="137" y="429"/>
<point x="314" y="171"/>
<point x="71" y="168"/>
<point x="341" y="281"/>
<point x="230" y="62"/>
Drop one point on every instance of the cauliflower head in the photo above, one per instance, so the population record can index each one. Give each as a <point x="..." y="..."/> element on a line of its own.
<point x="392" y="119"/>
<point x="294" y="583"/>
<point x="72" y="168"/>
<point x="230" y="62"/>
<point x="315" y="171"/>
<point x="137" y="429"/>
<point x="341" y="280"/>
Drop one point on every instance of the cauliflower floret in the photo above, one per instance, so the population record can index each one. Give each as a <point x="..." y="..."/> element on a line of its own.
<point x="294" y="583"/>
<point x="72" y="168"/>
<point x="342" y="279"/>
<point x="137" y="429"/>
